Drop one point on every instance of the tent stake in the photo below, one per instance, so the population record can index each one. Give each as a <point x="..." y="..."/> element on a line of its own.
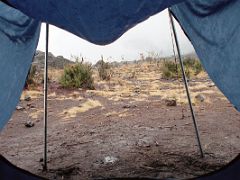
<point x="45" y="99"/>
<point x="185" y="83"/>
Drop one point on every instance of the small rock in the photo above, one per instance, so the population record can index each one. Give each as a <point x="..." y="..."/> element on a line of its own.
<point x="211" y="85"/>
<point x="27" y="98"/>
<point x="41" y="160"/>
<point x="110" y="159"/>
<point x="137" y="90"/>
<point x="108" y="115"/>
<point x="19" y="108"/>
<point x="171" y="102"/>
<point x="29" y="124"/>
<point x="98" y="162"/>
<point x="30" y="105"/>
<point x="146" y="142"/>
<point x="200" y="97"/>
<point x="128" y="106"/>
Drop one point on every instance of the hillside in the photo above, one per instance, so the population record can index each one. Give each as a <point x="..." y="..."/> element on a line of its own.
<point x="57" y="62"/>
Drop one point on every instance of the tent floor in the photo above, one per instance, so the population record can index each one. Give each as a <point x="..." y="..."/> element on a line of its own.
<point x="112" y="137"/>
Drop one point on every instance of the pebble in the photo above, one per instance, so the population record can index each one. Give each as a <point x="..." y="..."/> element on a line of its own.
<point x="19" y="108"/>
<point x="110" y="159"/>
<point x="128" y="106"/>
<point x="200" y="97"/>
<point x="171" y="102"/>
<point x="29" y="124"/>
<point x="27" y="98"/>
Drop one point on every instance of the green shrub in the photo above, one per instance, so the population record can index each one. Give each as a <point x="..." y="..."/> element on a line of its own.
<point x="170" y="70"/>
<point x="31" y="76"/>
<point x="194" y="65"/>
<point x="198" y="67"/>
<point x="77" y="76"/>
<point x="104" y="70"/>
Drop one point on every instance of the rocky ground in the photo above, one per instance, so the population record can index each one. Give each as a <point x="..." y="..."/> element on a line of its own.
<point x="135" y="125"/>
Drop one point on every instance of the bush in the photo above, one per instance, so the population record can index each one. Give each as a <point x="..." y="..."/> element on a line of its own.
<point x="169" y="70"/>
<point x="104" y="70"/>
<point x="31" y="77"/>
<point x="192" y="67"/>
<point x="77" y="76"/>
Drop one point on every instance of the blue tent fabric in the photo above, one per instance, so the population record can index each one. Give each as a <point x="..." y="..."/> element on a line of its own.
<point x="8" y="171"/>
<point x="230" y="171"/>
<point x="98" y="21"/>
<point x="19" y="35"/>
<point x="211" y="25"/>
<point x="214" y="29"/>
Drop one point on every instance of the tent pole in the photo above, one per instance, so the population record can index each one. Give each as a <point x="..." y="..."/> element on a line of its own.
<point x="186" y="83"/>
<point x="45" y="99"/>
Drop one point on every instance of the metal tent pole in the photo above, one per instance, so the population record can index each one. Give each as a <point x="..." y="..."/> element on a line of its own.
<point x="186" y="83"/>
<point x="45" y="99"/>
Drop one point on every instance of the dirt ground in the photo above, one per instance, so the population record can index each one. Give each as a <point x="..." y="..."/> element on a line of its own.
<point x="124" y="129"/>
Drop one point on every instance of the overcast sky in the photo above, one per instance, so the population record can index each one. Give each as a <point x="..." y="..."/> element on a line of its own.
<point x="152" y="35"/>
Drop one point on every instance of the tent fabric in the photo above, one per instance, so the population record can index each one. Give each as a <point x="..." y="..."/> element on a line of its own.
<point x="98" y="21"/>
<point x="8" y="171"/>
<point x="230" y="171"/>
<point x="19" y="35"/>
<point x="213" y="27"/>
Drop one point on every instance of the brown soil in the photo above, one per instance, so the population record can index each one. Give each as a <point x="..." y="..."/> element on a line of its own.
<point x="126" y="119"/>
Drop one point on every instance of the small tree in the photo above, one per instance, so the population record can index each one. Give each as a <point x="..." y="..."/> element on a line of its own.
<point x="78" y="76"/>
